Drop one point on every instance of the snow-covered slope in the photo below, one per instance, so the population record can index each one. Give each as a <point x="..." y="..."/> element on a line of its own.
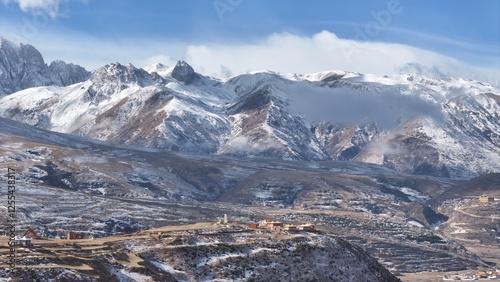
<point x="22" y="66"/>
<point x="412" y="123"/>
<point x="124" y="104"/>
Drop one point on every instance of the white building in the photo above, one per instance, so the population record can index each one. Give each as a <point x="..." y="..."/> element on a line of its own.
<point x="22" y="241"/>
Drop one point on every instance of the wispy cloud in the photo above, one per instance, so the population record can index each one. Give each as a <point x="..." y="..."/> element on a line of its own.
<point x="50" y="7"/>
<point x="457" y="43"/>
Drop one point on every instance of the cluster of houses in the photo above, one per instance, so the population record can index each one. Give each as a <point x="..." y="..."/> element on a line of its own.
<point x="27" y="239"/>
<point x="277" y="225"/>
<point x="492" y="275"/>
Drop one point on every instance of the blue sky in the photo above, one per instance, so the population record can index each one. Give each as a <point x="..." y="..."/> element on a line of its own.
<point x="95" y="32"/>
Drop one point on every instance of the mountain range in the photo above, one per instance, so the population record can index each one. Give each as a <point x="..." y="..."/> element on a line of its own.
<point x="436" y="126"/>
<point x="383" y="162"/>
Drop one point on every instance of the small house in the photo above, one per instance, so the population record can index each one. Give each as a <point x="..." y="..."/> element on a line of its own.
<point x="274" y="224"/>
<point x="75" y="236"/>
<point x="22" y="241"/>
<point x="486" y="199"/>
<point x="306" y="227"/>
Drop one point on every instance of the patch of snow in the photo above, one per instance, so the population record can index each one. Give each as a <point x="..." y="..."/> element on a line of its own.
<point x="134" y="275"/>
<point x="414" y="223"/>
<point x="166" y="267"/>
<point x="86" y="159"/>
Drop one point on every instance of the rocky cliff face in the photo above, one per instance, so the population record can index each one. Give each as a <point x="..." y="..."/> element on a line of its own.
<point x="63" y="74"/>
<point x="22" y="67"/>
<point x="184" y="72"/>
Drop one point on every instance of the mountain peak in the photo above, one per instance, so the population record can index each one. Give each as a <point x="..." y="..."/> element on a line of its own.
<point x="184" y="72"/>
<point x="4" y="42"/>
<point x="62" y="73"/>
<point x="159" y="66"/>
<point x="17" y="51"/>
<point x="115" y="77"/>
<point x="22" y="66"/>
<point x="124" y="73"/>
<point x="160" y="69"/>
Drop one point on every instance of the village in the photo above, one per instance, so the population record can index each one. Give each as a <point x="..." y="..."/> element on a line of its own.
<point x="266" y="224"/>
<point x="29" y="235"/>
<point x="276" y="225"/>
<point x="79" y="249"/>
<point x="471" y="276"/>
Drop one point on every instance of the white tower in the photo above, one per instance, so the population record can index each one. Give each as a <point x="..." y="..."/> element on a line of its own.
<point x="225" y="218"/>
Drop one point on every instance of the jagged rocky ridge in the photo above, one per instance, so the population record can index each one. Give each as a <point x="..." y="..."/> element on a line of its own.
<point x="411" y="123"/>
<point x="22" y="66"/>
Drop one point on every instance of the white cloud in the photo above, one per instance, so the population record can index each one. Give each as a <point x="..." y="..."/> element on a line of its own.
<point x="324" y="51"/>
<point x="50" y="7"/>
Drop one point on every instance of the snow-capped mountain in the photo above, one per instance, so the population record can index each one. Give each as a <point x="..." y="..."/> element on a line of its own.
<point x="412" y="123"/>
<point x="22" y="66"/>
